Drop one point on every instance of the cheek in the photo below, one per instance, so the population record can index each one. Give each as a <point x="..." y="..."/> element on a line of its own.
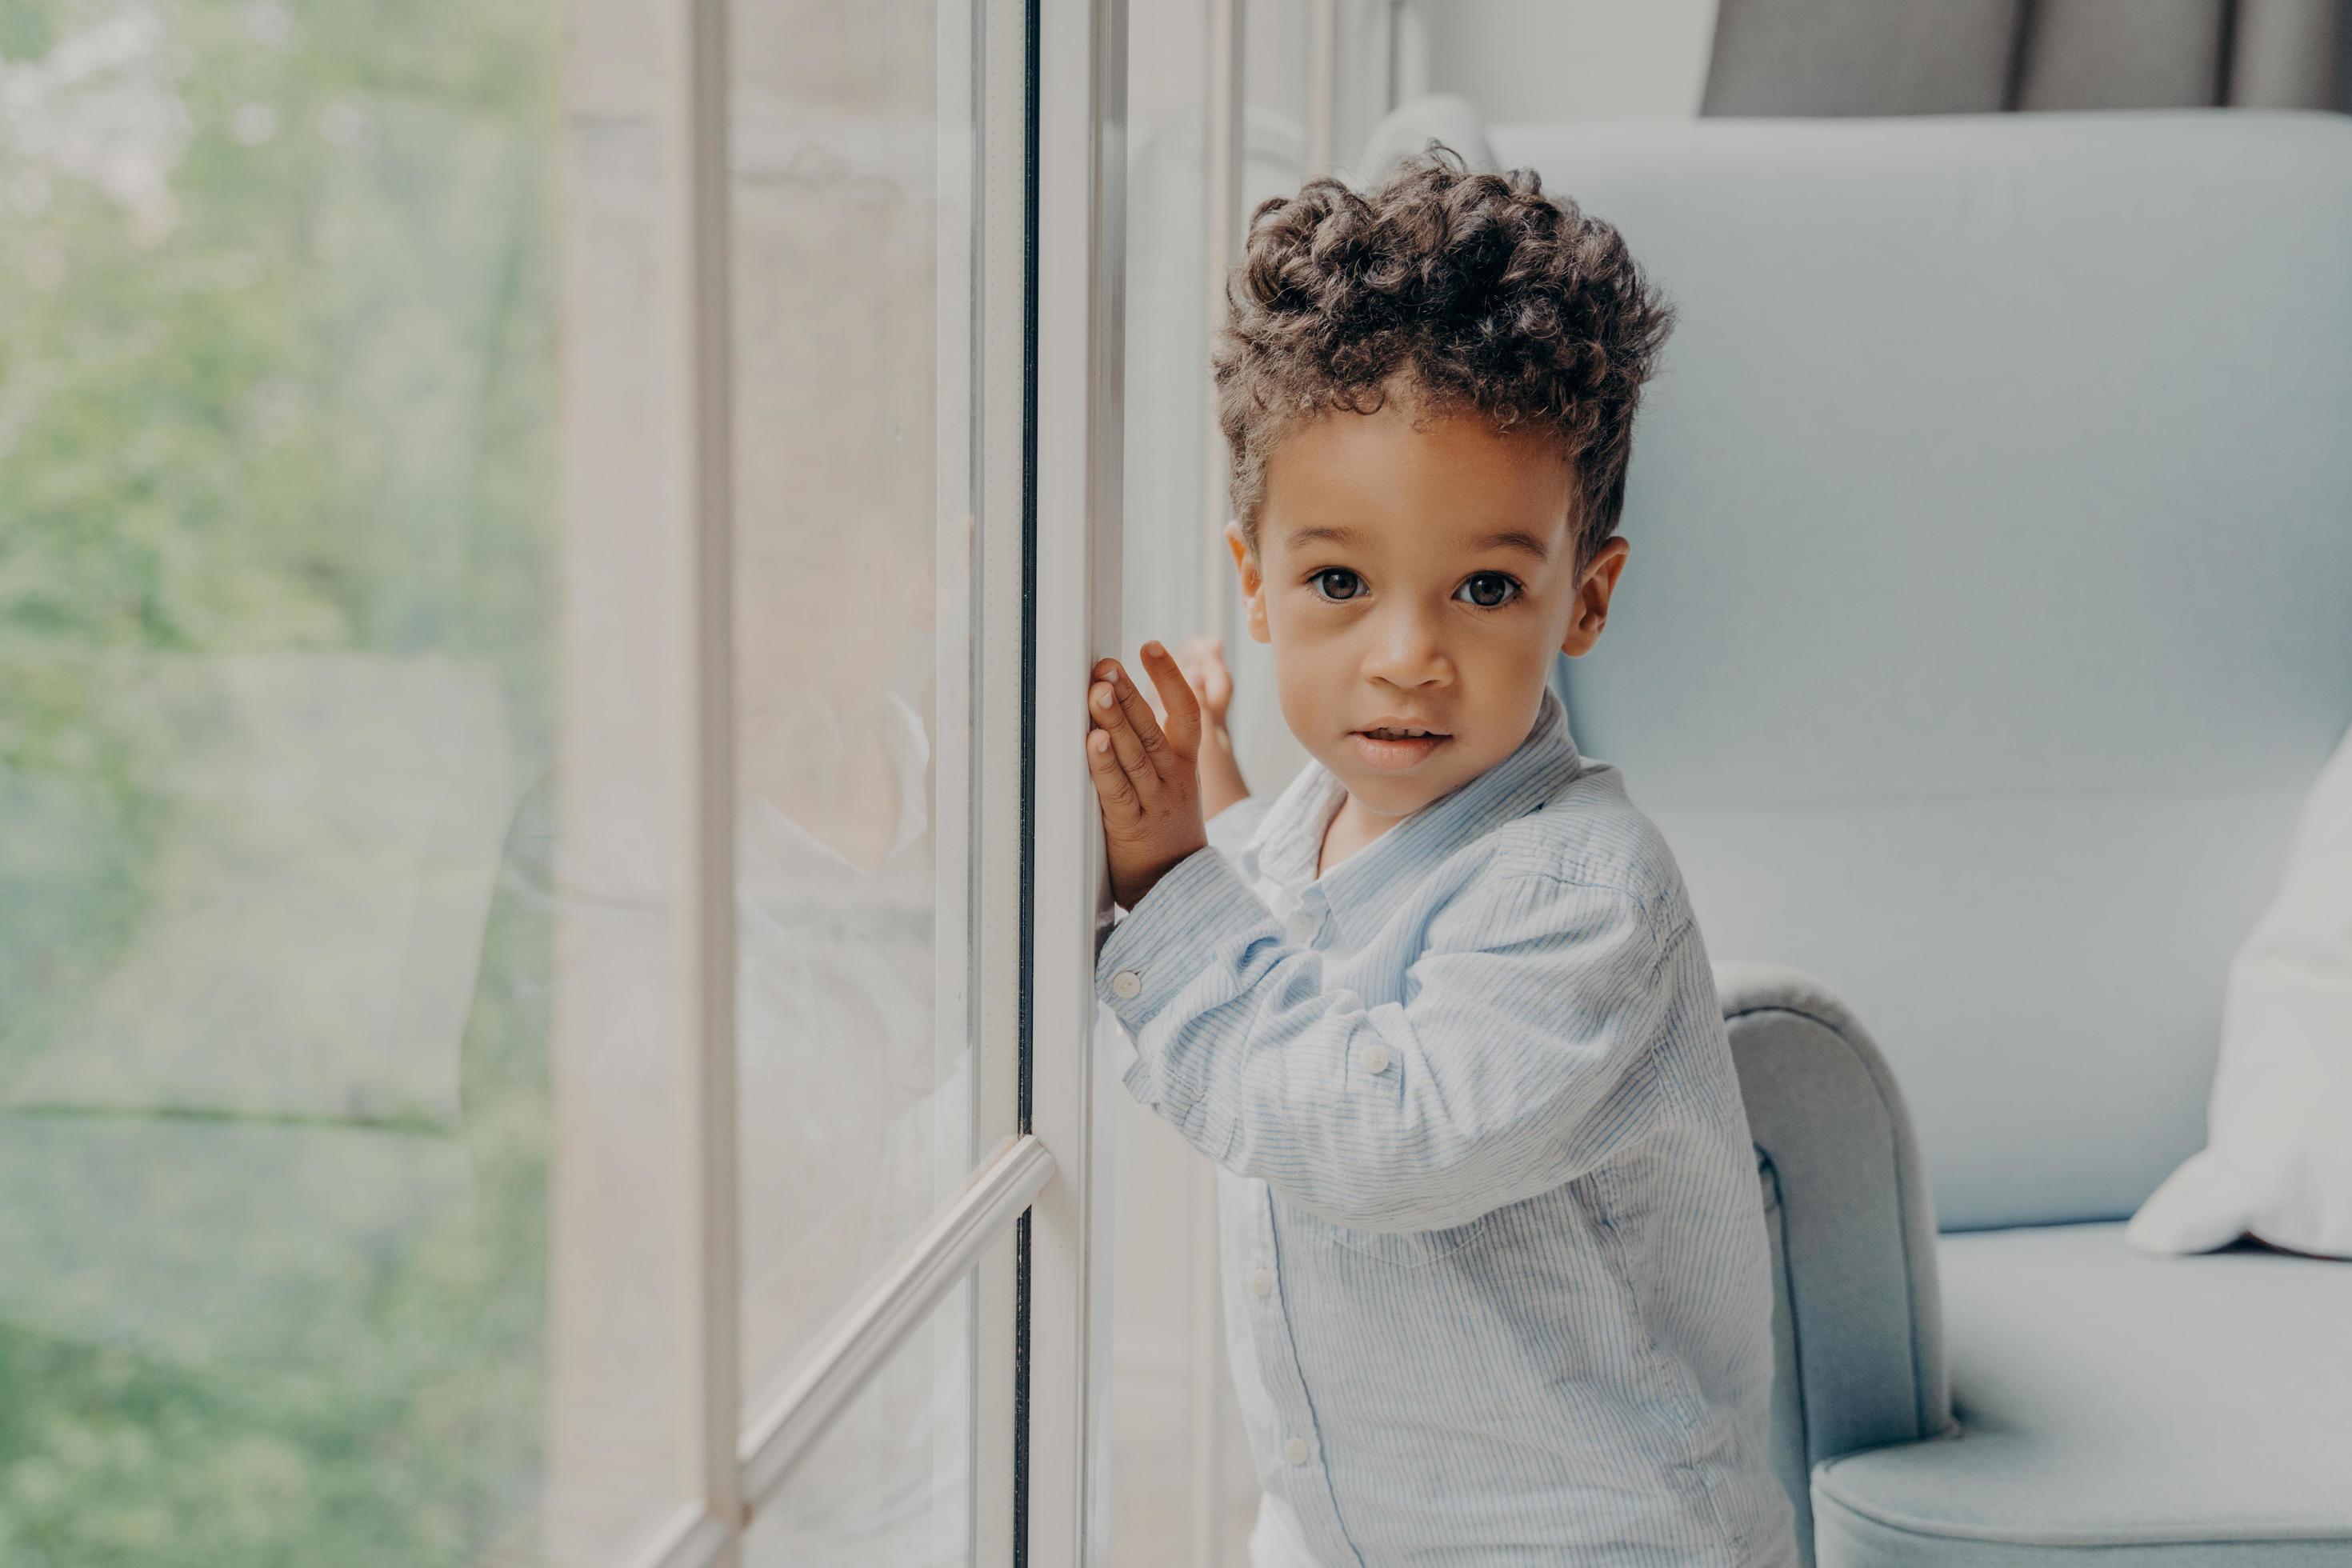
<point x="1297" y="682"/>
<point x="1308" y="673"/>
<point x="1526" y="649"/>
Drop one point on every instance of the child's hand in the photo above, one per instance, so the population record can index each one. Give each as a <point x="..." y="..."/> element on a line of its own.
<point x="1147" y="778"/>
<point x="1203" y="660"/>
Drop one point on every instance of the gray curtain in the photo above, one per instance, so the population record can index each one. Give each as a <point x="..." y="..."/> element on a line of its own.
<point x="1957" y="57"/>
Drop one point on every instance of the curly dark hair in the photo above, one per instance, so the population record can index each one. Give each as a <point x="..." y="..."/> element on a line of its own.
<point x="1481" y="291"/>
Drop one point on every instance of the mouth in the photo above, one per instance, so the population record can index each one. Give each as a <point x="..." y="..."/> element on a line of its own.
<point x="1393" y="748"/>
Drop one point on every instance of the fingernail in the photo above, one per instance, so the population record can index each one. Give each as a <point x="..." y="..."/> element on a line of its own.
<point x="1102" y="696"/>
<point x="1154" y="650"/>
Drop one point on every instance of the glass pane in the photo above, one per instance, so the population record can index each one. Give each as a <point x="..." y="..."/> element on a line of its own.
<point x="1278" y="46"/>
<point x="339" y="1166"/>
<point x="1167" y="410"/>
<point x="1364" y="60"/>
<point x="889" y="1484"/>
<point x="1275" y="49"/>
<point x="853" y="220"/>
<point x="1179" y="1460"/>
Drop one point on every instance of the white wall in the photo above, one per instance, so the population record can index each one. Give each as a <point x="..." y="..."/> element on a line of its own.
<point x="1522" y="60"/>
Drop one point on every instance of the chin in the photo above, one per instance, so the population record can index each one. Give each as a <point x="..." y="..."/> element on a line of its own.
<point x="1389" y="796"/>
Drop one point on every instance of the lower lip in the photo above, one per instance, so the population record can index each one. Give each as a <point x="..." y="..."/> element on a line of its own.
<point x="1395" y="756"/>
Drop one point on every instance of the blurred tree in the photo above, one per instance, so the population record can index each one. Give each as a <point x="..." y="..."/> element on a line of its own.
<point x="277" y="299"/>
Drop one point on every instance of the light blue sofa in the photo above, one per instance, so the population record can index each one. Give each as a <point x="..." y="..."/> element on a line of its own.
<point x="1990" y="612"/>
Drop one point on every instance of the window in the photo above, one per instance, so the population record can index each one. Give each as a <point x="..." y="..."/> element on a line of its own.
<point x="281" y="596"/>
<point x="547" y="897"/>
<point x="515" y="528"/>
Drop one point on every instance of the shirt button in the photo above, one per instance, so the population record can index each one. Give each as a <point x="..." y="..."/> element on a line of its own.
<point x="1295" y="1450"/>
<point x="1375" y="1058"/>
<point x="1302" y="927"/>
<point x="1126" y="983"/>
<point x="1261" y="1283"/>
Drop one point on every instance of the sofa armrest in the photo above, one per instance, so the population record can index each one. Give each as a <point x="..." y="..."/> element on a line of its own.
<point x="1857" y="1324"/>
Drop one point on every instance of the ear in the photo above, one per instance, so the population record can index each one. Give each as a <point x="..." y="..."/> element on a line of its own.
<point x="1591" y="611"/>
<point x="1253" y="581"/>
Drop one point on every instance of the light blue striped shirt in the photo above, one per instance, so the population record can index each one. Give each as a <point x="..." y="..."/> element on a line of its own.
<point x="1494" y="1252"/>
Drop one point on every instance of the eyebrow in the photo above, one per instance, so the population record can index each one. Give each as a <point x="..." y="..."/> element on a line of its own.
<point x="1515" y="538"/>
<point x="1507" y="539"/>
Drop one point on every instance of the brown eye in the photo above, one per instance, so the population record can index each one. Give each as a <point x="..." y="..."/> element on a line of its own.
<point x="1345" y="578"/>
<point x="1491" y="590"/>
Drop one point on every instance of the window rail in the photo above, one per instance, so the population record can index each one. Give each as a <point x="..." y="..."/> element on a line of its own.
<point x="875" y="1326"/>
<point x="691" y="1538"/>
<point x="881" y="1319"/>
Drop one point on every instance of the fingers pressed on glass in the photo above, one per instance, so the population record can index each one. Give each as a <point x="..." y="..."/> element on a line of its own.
<point x="1138" y="713"/>
<point x="1115" y="717"/>
<point x="1112" y="785"/>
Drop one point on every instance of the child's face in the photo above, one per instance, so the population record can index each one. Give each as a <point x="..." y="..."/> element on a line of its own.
<point x="1422" y="578"/>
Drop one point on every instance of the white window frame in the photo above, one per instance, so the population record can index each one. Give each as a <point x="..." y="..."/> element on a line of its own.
<point x="1081" y="130"/>
<point x="1039" y="299"/>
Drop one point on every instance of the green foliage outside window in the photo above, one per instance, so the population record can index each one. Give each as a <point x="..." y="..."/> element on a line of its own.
<point x="278" y="301"/>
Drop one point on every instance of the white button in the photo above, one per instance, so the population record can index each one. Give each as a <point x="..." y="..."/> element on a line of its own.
<point x="1295" y="1450"/>
<point x="1261" y="1283"/>
<point x="1302" y="927"/>
<point x="1375" y="1058"/>
<point x="1126" y="983"/>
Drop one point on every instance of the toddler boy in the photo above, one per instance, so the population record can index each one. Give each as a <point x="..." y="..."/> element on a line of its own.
<point x="1495" y="1261"/>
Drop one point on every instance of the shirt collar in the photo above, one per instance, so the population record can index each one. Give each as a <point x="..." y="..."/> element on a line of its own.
<point x="1290" y="840"/>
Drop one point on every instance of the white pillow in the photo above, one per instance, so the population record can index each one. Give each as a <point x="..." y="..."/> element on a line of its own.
<point x="2278" y="1162"/>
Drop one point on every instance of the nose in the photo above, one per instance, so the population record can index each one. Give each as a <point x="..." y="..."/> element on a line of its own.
<point x="1406" y="650"/>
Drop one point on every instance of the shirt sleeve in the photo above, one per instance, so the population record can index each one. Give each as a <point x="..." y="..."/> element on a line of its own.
<point x="1519" y="1059"/>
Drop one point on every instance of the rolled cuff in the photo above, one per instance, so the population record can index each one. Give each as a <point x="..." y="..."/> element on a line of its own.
<point x="1193" y="926"/>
